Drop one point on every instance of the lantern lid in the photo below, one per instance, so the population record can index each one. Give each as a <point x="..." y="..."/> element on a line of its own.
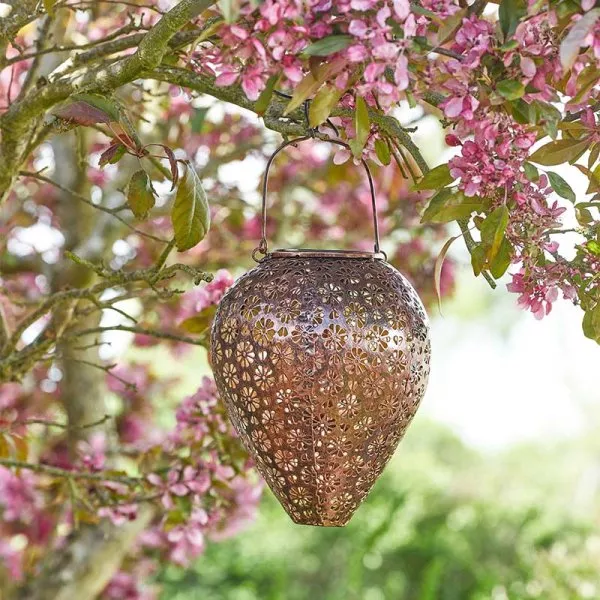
<point x="314" y="253"/>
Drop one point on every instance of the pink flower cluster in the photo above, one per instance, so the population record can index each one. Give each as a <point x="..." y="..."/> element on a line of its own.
<point x="491" y="162"/>
<point x="269" y="41"/>
<point x="202" y="297"/>
<point x="192" y="484"/>
<point x="204" y="492"/>
<point x="538" y="287"/>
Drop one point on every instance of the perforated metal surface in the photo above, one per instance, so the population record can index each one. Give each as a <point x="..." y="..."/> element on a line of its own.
<point x="322" y="362"/>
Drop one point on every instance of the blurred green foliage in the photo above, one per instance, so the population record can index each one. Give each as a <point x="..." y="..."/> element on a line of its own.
<point x="444" y="523"/>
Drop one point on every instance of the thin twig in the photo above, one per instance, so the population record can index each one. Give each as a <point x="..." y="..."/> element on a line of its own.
<point x="113" y="212"/>
<point x="65" y="426"/>
<point x="58" y="472"/>
<point x="198" y="341"/>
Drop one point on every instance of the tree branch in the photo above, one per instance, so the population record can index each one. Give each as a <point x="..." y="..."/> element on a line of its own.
<point x="113" y="212"/>
<point x="14" y="364"/>
<point x="83" y="567"/>
<point x="197" y="341"/>
<point x="18" y="121"/>
<point x="66" y="474"/>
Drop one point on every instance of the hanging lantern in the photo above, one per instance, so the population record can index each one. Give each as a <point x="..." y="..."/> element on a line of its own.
<point x="322" y="358"/>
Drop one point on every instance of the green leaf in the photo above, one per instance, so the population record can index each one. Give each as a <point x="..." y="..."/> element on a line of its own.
<point x="328" y="45"/>
<point x="594" y="181"/>
<point x="140" y="195"/>
<point x="190" y="214"/>
<point x="448" y="205"/>
<point x="262" y="103"/>
<point x="437" y="270"/>
<point x="312" y="82"/>
<point x="594" y="247"/>
<point x="478" y="259"/>
<point x="522" y="112"/>
<point x="382" y="150"/>
<point x="323" y="103"/>
<point x="531" y="171"/>
<point x="510" y="89"/>
<point x="501" y="261"/>
<point x="583" y="215"/>
<point x="591" y="323"/>
<point x="201" y="322"/>
<point x="510" y="45"/>
<point x="510" y="13"/>
<point x="438" y="177"/>
<point x="230" y="9"/>
<point x="585" y="82"/>
<point x="576" y="38"/>
<point x="129" y="128"/>
<point x="560" y="186"/>
<point x="49" y="6"/>
<point x="492" y="231"/>
<point x="198" y="118"/>
<point x="594" y="154"/>
<point x="362" y="126"/>
<point x="450" y="25"/>
<point x="559" y="152"/>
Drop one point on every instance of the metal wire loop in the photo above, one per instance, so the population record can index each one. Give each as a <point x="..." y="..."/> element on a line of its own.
<point x="263" y="247"/>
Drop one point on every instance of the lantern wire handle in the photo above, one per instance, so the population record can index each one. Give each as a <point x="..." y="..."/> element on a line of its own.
<point x="263" y="246"/>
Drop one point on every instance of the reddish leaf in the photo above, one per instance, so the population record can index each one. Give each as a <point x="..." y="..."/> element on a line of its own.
<point x="82" y="113"/>
<point x="123" y="136"/>
<point x="112" y="154"/>
<point x="173" y="164"/>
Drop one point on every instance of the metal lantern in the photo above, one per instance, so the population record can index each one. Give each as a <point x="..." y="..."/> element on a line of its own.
<point x="322" y="358"/>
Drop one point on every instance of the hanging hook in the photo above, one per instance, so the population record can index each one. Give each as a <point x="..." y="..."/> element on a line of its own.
<point x="262" y="247"/>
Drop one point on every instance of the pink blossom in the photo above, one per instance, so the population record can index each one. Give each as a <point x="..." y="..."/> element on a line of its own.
<point x="93" y="451"/>
<point x="19" y="499"/>
<point x="126" y="586"/>
<point x="357" y="53"/>
<point x="119" y="515"/>
<point x="252" y="84"/>
<point x="188" y="540"/>
<point x="358" y="28"/>
<point x="226" y="78"/>
<point x="208" y="295"/>
<point x="12" y="559"/>
<point x="363" y="4"/>
<point x="402" y="9"/>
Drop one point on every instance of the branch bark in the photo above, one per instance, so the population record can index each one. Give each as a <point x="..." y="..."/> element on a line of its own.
<point x="21" y="120"/>
<point x="88" y="561"/>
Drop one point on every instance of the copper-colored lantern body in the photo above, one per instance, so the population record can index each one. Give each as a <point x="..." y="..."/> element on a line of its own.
<point x="322" y="359"/>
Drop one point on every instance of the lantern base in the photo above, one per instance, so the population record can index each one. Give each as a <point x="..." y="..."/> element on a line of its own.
<point x="329" y="524"/>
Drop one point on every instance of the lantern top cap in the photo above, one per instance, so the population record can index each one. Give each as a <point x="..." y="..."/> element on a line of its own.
<point x="314" y="253"/>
